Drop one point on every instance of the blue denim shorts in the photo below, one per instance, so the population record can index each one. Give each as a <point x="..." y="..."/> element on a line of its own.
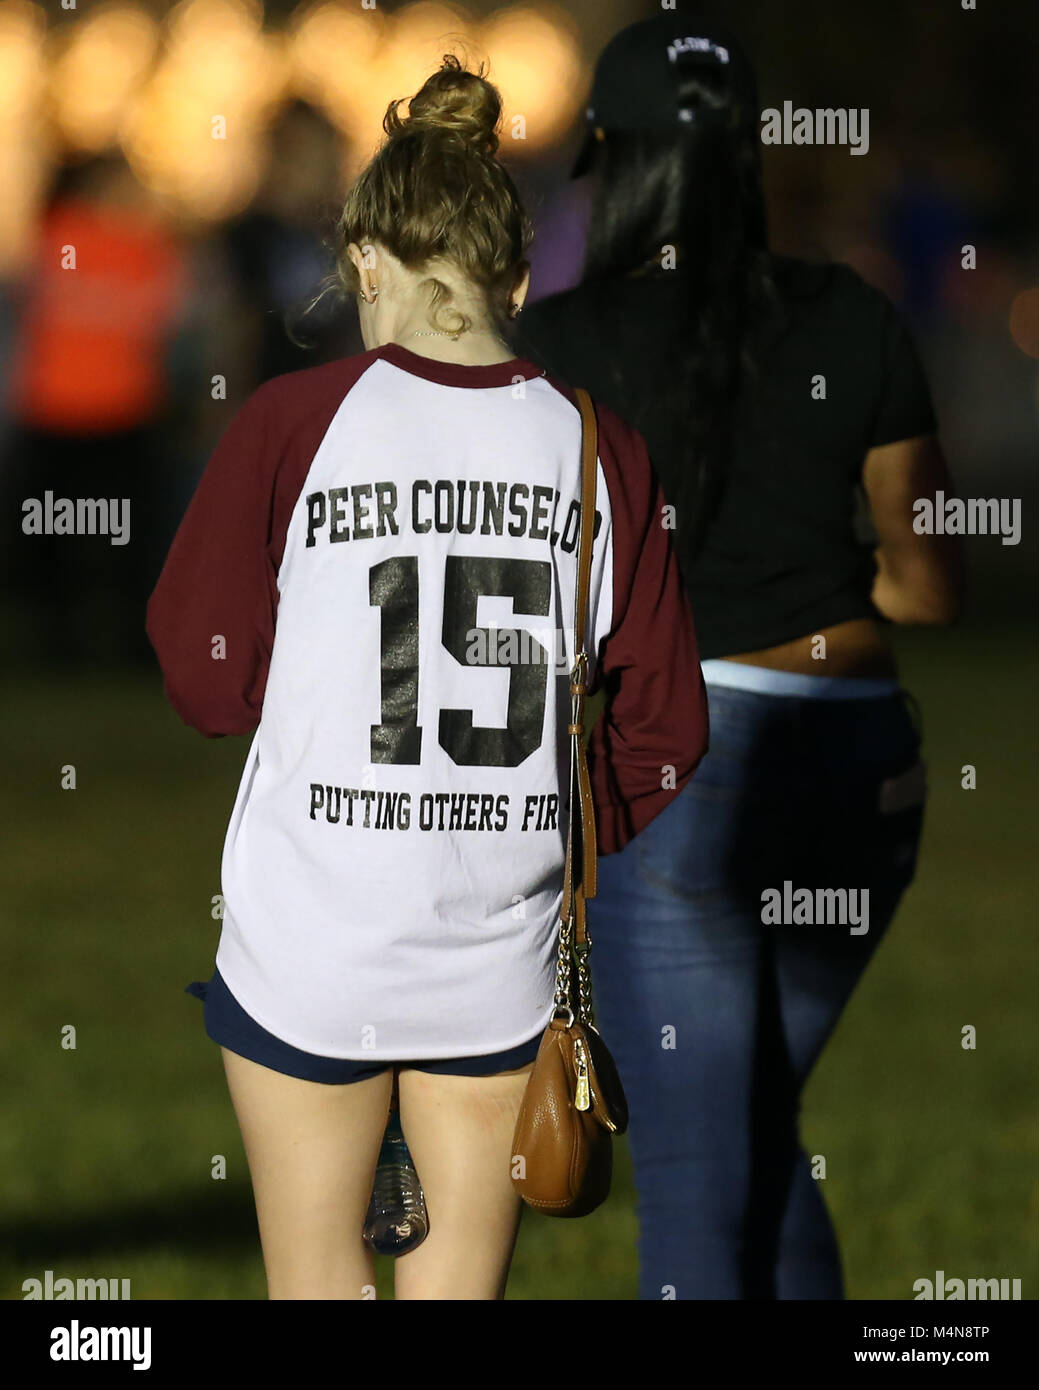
<point x="228" y="1024"/>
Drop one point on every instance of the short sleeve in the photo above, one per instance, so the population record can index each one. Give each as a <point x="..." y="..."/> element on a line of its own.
<point x="905" y="409"/>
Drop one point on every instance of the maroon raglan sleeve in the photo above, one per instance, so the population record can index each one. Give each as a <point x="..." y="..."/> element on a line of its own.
<point x="220" y="579"/>
<point x="652" y="733"/>
<point x="211" y="615"/>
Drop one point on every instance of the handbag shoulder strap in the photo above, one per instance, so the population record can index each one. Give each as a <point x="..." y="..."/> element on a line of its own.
<point x="581" y="838"/>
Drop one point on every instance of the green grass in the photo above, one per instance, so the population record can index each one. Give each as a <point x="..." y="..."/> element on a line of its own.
<point x="105" y="1150"/>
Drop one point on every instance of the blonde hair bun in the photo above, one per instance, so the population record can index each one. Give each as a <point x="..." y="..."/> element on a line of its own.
<point x="455" y="102"/>
<point x="436" y="191"/>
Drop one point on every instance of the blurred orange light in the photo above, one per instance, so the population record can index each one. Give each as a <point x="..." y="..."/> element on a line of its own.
<point x="334" y="51"/>
<point x="25" y="142"/>
<point x="22" y="30"/>
<point x="165" y="90"/>
<point x="355" y="62"/>
<point x="195" y="135"/>
<point x="100" y="63"/>
<point x="536" y="63"/>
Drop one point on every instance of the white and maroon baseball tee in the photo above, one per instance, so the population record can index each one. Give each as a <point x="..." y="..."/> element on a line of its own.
<point x="376" y="577"/>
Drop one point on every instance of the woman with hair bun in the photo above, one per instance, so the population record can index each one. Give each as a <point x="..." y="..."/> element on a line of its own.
<point x="363" y="535"/>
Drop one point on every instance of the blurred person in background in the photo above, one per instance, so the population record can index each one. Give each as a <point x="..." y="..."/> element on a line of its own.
<point x="275" y="252"/>
<point x="89" y="402"/>
<point x="775" y="396"/>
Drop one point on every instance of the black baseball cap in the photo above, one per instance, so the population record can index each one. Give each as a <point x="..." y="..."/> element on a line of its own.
<point x="637" y="79"/>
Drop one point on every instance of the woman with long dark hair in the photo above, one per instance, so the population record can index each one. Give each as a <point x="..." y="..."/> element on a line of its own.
<point x="776" y="396"/>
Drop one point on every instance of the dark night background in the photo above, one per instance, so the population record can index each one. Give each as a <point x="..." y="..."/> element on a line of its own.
<point x="931" y="1149"/>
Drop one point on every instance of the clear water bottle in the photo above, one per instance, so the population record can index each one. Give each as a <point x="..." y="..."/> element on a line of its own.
<point x="397" y="1220"/>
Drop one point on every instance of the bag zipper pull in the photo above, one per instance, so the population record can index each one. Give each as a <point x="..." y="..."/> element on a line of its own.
<point x="583" y="1099"/>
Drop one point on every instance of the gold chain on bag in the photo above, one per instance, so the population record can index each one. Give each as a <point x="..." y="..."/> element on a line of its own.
<point x="574" y="1101"/>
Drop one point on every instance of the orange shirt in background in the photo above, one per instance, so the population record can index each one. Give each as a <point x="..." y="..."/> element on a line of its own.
<point x="89" y="356"/>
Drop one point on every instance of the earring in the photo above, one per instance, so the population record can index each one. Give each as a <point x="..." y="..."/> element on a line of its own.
<point x="513" y="310"/>
<point x="375" y="295"/>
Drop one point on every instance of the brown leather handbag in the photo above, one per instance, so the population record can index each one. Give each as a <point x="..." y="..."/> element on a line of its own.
<point x="574" y="1102"/>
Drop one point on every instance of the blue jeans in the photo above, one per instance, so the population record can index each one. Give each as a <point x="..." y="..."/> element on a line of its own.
<point x="716" y="1018"/>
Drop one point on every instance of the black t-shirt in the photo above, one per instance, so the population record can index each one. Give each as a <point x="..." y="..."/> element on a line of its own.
<point x="783" y="555"/>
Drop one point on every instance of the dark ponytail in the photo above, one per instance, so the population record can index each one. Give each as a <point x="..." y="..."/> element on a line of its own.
<point x="698" y="191"/>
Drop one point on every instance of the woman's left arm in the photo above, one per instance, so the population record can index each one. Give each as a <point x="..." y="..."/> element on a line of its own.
<point x="919" y="576"/>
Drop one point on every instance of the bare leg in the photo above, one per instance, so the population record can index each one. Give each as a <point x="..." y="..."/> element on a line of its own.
<point x="312" y="1150"/>
<point x="459" y="1130"/>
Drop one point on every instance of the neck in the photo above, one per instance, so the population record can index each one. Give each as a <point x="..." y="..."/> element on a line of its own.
<point x="479" y="346"/>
